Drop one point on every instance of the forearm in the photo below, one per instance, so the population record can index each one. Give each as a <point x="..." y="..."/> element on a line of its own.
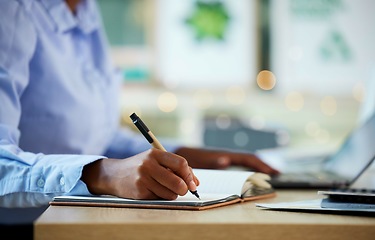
<point x="204" y="158"/>
<point x="220" y="159"/>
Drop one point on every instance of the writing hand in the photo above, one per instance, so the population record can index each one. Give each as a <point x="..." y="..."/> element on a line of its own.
<point x="152" y="174"/>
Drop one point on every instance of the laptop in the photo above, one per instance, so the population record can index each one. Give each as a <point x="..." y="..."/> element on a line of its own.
<point x="339" y="169"/>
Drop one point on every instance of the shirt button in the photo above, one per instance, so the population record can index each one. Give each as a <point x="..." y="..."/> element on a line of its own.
<point x="62" y="181"/>
<point x="40" y="182"/>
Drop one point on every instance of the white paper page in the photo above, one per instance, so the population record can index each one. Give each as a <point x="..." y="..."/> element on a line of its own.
<point x="227" y="182"/>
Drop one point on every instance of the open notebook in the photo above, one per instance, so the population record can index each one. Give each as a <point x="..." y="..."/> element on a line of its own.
<point x="217" y="188"/>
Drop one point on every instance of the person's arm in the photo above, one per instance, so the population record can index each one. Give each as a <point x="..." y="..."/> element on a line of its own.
<point x="22" y="171"/>
<point x="221" y="159"/>
<point x="146" y="175"/>
<point x="28" y="172"/>
<point x="197" y="157"/>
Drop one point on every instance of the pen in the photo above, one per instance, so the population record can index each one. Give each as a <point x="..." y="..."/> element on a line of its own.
<point x="151" y="138"/>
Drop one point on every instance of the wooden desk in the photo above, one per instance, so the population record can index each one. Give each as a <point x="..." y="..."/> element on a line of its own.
<point x="239" y="221"/>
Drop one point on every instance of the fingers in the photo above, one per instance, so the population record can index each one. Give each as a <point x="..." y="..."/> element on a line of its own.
<point x="170" y="175"/>
<point x="255" y="163"/>
<point x="156" y="190"/>
<point x="179" y="166"/>
<point x="159" y="174"/>
<point x="195" y="179"/>
<point x="169" y="180"/>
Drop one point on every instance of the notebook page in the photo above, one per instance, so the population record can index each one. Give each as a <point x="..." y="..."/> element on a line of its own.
<point x="221" y="181"/>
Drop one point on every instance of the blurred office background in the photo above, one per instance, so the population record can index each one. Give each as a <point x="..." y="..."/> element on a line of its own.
<point x="244" y="74"/>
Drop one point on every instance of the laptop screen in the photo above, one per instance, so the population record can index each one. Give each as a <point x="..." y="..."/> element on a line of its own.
<point x="355" y="153"/>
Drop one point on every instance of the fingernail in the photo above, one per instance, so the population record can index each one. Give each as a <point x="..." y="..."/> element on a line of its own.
<point x="192" y="185"/>
<point x="223" y="161"/>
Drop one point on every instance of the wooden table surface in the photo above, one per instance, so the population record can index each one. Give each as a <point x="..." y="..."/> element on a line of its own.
<point x="239" y="221"/>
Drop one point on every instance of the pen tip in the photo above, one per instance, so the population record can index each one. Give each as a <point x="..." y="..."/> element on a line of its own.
<point x="196" y="194"/>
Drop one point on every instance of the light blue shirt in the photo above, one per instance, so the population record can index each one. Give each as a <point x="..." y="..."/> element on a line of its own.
<point x="58" y="97"/>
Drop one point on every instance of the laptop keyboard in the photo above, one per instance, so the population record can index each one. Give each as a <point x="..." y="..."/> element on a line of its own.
<point x="305" y="177"/>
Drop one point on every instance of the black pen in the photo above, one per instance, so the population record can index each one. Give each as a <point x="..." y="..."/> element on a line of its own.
<point x="151" y="138"/>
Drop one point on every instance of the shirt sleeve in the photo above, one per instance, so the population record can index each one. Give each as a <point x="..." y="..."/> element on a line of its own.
<point x="48" y="174"/>
<point x="22" y="171"/>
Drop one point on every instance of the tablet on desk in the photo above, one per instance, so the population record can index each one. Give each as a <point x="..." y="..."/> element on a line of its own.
<point x="351" y="198"/>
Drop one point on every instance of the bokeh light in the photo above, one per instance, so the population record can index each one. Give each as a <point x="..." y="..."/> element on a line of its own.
<point x="323" y="136"/>
<point x="257" y="122"/>
<point x="203" y="99"/>
<point x="223" y="121"/>
<point x="328" y="106"/>
<point x="282" y="137"/>
<point x="241" y="138"/>
<point x="235" y="95"/>
<point x="294" y="101"/>
<point x="266" y="80"/>
<point x="312" y="129"/>
<point x="167" y="102"/>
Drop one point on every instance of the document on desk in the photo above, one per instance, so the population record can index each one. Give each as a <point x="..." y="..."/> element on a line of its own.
<point x="217" y="188"/>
